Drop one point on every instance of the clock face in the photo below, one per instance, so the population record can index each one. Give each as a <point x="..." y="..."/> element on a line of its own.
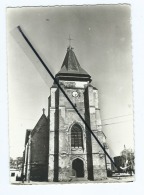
<point x="74" y="93"/>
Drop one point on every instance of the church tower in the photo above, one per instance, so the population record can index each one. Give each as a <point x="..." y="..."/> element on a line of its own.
<point x="72" y="151"/>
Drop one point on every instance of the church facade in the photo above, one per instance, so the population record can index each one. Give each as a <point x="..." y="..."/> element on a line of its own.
<point x="60" y="147"/>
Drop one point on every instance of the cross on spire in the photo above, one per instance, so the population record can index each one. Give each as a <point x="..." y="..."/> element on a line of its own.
<point x="70" y="41"/>
<point x="43" y="111"/>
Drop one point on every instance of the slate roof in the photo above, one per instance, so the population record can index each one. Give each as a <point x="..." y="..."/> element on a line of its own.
<point x="42" y="122"/>
<point x="71" y="66"/>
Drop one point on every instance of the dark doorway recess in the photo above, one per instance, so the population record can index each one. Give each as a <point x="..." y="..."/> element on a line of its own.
<point x="78" y="166"/>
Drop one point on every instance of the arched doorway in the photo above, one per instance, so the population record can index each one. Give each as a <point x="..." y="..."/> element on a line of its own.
<point x="78" y="166"/>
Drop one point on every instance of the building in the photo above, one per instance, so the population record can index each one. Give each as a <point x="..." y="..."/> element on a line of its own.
<point x="14" y="174"/>
<point x="60" y="147"/>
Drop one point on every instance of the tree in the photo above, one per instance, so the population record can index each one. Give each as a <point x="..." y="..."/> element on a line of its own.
<point x="16" y="163"/>
<point x="128" y="154"/>
<point x="129" y="157"/>
<point x="19" y="161"/>
<point x="11" y="162"/>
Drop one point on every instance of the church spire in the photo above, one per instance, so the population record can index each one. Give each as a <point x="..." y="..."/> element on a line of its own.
<point x="70" y="62"/>
<point x="71" y="66"/>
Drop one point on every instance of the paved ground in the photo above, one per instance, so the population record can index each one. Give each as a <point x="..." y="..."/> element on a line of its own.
<point x="116" y="179"/>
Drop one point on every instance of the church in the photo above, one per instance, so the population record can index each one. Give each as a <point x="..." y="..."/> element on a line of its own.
<point x="60" y="148"/>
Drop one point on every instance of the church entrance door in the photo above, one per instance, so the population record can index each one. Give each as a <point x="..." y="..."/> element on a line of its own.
<point x="78" y="166"/>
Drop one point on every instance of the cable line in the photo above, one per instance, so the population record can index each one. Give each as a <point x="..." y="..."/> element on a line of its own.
<point x="114" y="123"/>
<point x="118" y="117"/>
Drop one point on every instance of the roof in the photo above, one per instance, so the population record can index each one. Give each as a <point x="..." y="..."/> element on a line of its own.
<point x="42" y="122"/>
<point x="71" y="66"/>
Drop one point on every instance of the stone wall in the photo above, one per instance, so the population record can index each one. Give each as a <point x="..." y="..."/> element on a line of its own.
<point x="39" y="151"/>
<point x="62" y="117"/>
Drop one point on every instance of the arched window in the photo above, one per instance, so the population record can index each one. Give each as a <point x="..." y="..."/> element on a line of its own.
<point x="76" y="136"/>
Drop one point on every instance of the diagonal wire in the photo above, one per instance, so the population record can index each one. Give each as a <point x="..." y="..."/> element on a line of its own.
<point x="55" y="80"/>
<point x="117" y="117"/>
<point x="106" y="124"/>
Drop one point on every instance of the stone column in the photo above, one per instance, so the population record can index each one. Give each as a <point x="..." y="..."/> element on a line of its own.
<point x="53" y="135"/>
<point x="51" y="146"/>
<point x="29" y="159"/>
<point x="25" y="161"/>
<point x="88" y="135"/>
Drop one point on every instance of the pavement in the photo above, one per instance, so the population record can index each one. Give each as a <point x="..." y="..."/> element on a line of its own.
<point x="116" y="179"/>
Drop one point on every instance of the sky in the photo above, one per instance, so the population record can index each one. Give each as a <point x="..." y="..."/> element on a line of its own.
<point x="102" y="43"/>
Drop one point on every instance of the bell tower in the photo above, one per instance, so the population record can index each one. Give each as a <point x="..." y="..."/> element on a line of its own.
<point x="73" y="152"/>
